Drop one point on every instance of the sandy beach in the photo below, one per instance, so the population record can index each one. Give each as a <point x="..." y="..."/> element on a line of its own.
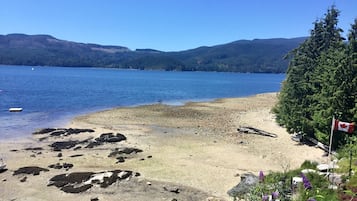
<point x="189" y="152"/>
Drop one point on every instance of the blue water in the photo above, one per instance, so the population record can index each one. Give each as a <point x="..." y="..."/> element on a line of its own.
<point x="51" y="96"/>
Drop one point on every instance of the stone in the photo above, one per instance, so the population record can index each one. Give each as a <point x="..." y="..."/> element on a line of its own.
<point x="248" y="181"/>
<point x="58" y="146"/>
<point x="78" y="182"/>
<point x="34" y="170"/>
<point x="23" y="179"/>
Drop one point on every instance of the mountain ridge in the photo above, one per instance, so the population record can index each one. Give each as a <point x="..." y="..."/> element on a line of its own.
<point x="258" y="55"/>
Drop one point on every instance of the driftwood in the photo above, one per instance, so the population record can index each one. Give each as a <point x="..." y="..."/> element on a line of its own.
<point x="251" y="130"/>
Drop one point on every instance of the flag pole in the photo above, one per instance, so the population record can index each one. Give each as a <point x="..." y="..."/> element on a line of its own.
<point x="329" y="157"/>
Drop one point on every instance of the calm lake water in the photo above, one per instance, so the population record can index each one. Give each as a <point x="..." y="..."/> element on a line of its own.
<point x="51" y="96"/>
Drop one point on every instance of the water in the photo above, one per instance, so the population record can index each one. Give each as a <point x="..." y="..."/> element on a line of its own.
<point x="51" y="96"/>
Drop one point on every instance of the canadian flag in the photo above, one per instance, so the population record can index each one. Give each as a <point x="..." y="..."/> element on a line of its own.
<point x="344" y="126"/>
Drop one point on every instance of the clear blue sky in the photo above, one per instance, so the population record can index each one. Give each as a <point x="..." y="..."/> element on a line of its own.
<point x="168" y="25"/>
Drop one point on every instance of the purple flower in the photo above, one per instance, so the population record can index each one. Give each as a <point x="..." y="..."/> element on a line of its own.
<point x="265" y="198"/>
<point x="275" y="194"/>
<point x="261" y="176"/>
<point x="306" y="182"/>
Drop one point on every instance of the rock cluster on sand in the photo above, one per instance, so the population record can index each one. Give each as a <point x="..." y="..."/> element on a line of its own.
<point x="78" y="182"/>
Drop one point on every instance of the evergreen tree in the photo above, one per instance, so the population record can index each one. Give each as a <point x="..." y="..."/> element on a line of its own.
<point x="308" y="96"/>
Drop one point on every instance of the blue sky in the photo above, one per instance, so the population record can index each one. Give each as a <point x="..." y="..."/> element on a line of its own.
<point x="168" y="25"/>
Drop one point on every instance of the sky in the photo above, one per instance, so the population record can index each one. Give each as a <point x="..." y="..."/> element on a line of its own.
<point x="168" y="25"/>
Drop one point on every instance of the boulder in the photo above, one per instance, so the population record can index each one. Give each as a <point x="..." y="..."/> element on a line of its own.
<point x="248" y="181"/>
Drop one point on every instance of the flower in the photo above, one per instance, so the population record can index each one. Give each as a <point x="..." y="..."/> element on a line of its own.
<point x="261" y="176"/>
<point x="275" y="194"/>
<point x="311" y="199"/>
<point x="306" y="181"/>
<point x="265" y="198"/>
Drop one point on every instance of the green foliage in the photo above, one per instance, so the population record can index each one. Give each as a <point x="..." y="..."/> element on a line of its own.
<point x="321" y="82"/>
<point x="281" y="182"/>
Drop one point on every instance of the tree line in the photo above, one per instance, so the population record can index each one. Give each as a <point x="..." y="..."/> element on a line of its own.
<point x="321" y="81"/>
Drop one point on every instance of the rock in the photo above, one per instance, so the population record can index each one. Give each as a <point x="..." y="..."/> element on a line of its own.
<point x="78" y="182"/>
<point x="34" y="170"/>
<point x="58" y="146"/>
<point x="34" y="149"/>
<point x="126" y="150"/>
<point x="23" y="179"/>
<point x="248" y="181"/>
<point x="59" y="166"/>
<point x="62" y="131"/>
<point x="172" y="189"/>
<point x="120" y="159"/>
<point x="76" y="148"/>
<point x="59" y="155"/>
<point x="73" y="189"/>
<point x="44" y="131"/>
<point x="110" y="137"/>
<point x="94" y="199"/>
<point x="76" y="155"/>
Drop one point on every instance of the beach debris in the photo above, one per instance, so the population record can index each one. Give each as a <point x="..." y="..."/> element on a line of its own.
<point x="94" y="199"/>
<point x="251" y="130"/>
<point x="248" y="181"/>
<point x="78" y="182"/>
<point x="34" y="170"/>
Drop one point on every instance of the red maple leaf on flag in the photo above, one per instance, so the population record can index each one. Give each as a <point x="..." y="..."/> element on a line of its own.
<point x="343" y="126"/>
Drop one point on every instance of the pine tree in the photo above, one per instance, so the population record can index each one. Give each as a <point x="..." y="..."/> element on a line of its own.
<point x="304" y="101"/>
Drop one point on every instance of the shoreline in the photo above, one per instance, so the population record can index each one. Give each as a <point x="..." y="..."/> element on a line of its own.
<point x="195" y="146"/>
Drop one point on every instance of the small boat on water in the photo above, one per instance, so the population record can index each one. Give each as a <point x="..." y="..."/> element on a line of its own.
<point x="15" y="109"/>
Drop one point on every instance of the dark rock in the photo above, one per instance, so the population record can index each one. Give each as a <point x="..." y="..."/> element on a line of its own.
<point x="59" y="155"/>
<point x="248" y="181"/>
<point x="76" y="148"/>
<point x="14" y="150"/>
<point x="172" y="189"/>
<point x="150" y="156"/>
<point x="76" y="155"/>
<point x="58" y="146"/>
<point x="67" y="165"/>
<point x="81" y="181"/>
<point x="120" y="159"/>
<point x="72" y="189"/>
<point x="56" y="166"/>
<point x="58" y="133"/>
<point x="44" y="131"/>
<point x="110" y="137"/>
<point x="34" y="170"/>
<point x="33" y="155"/>
<point x="3" y="170"/>
<point x="23" y="179"/>
<point x="34" y="149"/>
<point x="93" y="144"/>
<point x="94" y="199"/>
<point x="126" y="150"/>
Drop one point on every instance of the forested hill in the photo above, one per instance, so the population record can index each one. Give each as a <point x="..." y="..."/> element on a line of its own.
<point x="260" y="55"/>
